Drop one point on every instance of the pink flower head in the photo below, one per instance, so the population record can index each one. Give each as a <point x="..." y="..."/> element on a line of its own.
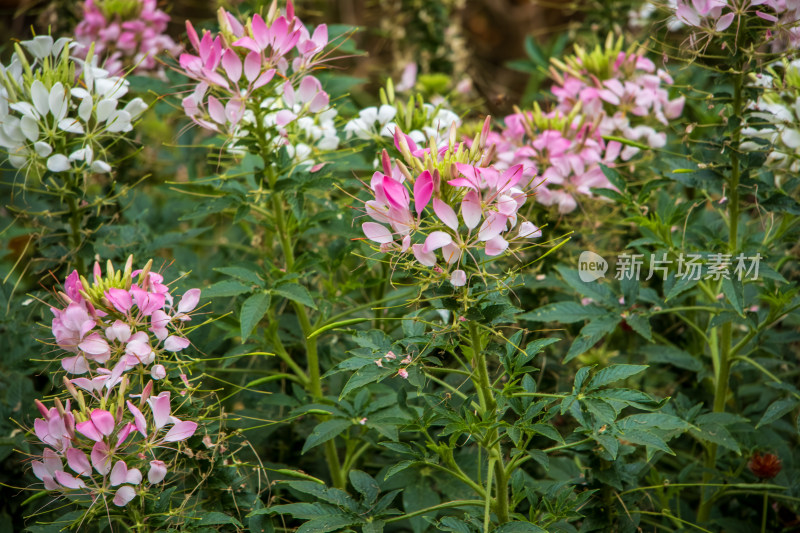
<point x="101" y="424"/>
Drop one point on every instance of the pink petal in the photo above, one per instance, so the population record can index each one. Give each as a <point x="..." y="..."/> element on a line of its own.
<point x="252" y="66"/>
<point x="423" y="189"/>
<point x="425" y="258"/>
<point x="161" y="409"/>
<point x="138" y="418"/>
<point x="118" y="473"/>
<point x="94" y="344"/>
<point x="75" y="365"/>
<point x="726" y="20"/>
<point x="78" y="462"/>
<point x="69" y="481"/>
<point x="157" y="472"/>
<point x="496" y="245"/>
<point x="89" y="430"/>
<point x="260" y="31"/>
<point x="376" y="232"/>
<point x="217" y="112"/>
<point x="120" y="299"/>
<point x="436" y="240"/>
<point x="458" y="278"/>
<point x="264" y="78"/>
<point x="189" y="301"/>
<point x="250" y="44"/>
<point x="232" y="65"/>
<point x="175" y="343"/>
<point x="445" y="214"/>
<point x="124" y="495"/>
<point x="395" y="192"/>
<point x="180" y="431"/>
<point x="101" y="458"/>
<point x="471" y="209"/>
<point x="103" y="421"/>
<point x="494" y="224"/>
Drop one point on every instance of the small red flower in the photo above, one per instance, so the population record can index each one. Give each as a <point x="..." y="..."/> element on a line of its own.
<point x="765" y="466"/>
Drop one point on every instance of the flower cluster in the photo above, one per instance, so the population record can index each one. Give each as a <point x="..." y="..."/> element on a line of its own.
<point x="254" y="82"/>
<point x="115" y="425"/>
<point x="622" y="92"/>
<point x="609" y="106"/>
<point x="116" y="324"/>
<point x="421" y="121"/>
<point x="773" y="124"/>
<point x="709" y="18"/>
<point x="54" y="120"/>
<point x="128" y="33"/>
<point x="418" y="201"/>
<point x="565" y="152"/>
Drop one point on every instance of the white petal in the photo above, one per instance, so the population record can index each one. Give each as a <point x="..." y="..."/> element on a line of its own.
<point x="104" y="109"/>
<point x="58" y="101"/>
<point x="30" y="128"/>
<point x="101" y="167"/>
<point x="40" y="97"/>
<point x="70" y="125"/>
<point x="85" y="109"/>
<point x="135" y="107"/>
<point x="43" y="149"/>
<point x="58" y="163"/>
<point x="120" y="121"/>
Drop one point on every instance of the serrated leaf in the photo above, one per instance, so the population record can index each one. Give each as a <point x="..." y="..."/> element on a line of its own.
<point x="614" y="373"/>
<point x="295" y="292"/>
<point x="652" y="420"/>
<point x="363" y="376"/>
<point x="325" y="431"/>
<point x="717" y="434"/>
<point x="599" y="293"/>
<point x="776" y="410"/>
<point x="253" y="310"/>
<point x="564" y="313"/>
<point x="673" y="356"/>
<point x="328" y="523"/>
<point x="641" y="325"/>
<point x="399" y="467"/>
<point x="519" y="527"/>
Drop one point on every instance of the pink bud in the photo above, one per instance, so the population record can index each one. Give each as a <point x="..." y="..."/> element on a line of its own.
<point x="158" y="372"/>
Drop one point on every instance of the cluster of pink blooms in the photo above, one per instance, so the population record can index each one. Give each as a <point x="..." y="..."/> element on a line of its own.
<point x="124" y="40"/>
<point x="424" y="208"/>
<point x="714" y="16"/>
<point x="113" y="327"/>
<point x="234" y="70"/>
<point x="566" y="146"/>
<point x="129" y="327"/>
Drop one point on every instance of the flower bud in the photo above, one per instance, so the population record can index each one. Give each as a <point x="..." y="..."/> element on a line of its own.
<point x="157" y="472"/>
<point x="158" y="372"/>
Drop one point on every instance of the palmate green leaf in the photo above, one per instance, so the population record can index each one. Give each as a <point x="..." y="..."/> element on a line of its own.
<point x="326" y="494"/>
<point x="614" y="178"/>
<point x="305" y="511"/>
<point x="226" y="288"/>
<point x="601" y="294"/>
<point x="373" y="527"/>
<point x="649" y="440"/>
<point x="244" y="274"/>
<point x="609" y="443"/>
<point x="399" y="467"/>
<point x="420" y="495"/>
<point x="614" y="373"/>
<point x="733" y="291"/>
<point x="365" y="484"/>
<point x="295" y="292"/>
<point x="253" y="310"/>
<point x="652" y="420"/>
<point x="328" y="523"/>
<point x="214" y="518"/>
<point x="776" y="410"/>
<point x="364" y="376"/>
<point x="718" y="434"/>
<point x="564" y="313"/>
<point x="325" y="431"/>
<point x="591" y="334"/>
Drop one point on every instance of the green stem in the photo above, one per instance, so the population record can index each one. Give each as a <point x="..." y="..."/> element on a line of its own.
<point x="489" y="408"/>
<point x="75" y="232"/>
<point x="764" y="510"/>
<point x="446" y="505"/>
<point x="722" y="372"/>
